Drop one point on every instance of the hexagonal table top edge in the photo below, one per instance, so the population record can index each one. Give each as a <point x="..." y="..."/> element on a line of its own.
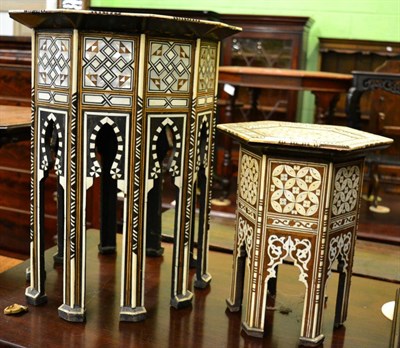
<point x="325" y="137"/>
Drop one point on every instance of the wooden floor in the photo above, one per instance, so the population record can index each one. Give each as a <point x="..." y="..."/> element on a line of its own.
<point x="205" y="324"/>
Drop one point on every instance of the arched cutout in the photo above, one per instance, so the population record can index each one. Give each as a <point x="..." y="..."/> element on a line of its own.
<point x="198" y="258"/>
<point x="165" y="152"/>
<point x="105" y="154"/>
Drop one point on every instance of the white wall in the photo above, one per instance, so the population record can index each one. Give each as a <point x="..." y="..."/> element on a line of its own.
<point x="9" y="26"/>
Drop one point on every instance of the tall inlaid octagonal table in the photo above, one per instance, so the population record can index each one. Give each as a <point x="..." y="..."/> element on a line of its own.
<point x="298" y="199"/>
<point x="113" y="95"/>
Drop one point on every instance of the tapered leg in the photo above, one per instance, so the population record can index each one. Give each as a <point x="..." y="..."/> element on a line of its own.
<point x="35" y="293"/>
<point x="132" y="269"/>
<point x="234" y="301"/>
<point x="253" y="323"/>
<point x="310" y="334"/>
<point x="202" y="278"/>
<point x="180" y="295"/>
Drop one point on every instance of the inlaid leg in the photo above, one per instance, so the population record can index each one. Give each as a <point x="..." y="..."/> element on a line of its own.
<point x="253" y="322"/>
<point x="74" y="270"/>
<point x="73" y="307"/>
<point x="310" y="334"/>
<point x="42" y="161"/>
<point x="132" y="269"/>
<point x="180" y="295"/>
<point x="235" y="299"/>
<point x="204" y="178"/>
<point x="202" y="278"/>
<point x="35" y="293"/>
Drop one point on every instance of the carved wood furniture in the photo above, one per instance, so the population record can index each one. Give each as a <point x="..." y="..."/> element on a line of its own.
<point x="269" y="42"/>
<point x="298" y="198"/>
<point x="347" y="55"/>
<point x="121" y="85"/>
<point x="327" y="88"/>
<point x="383" y="124"/>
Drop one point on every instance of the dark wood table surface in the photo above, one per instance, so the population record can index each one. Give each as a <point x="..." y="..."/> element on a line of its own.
<point x="326" y="86"/>
<point x="205" y="324"/>
<point x="15" y="123"/>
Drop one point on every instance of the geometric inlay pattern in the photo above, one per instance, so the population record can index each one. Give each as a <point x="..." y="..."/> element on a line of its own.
<point x="108" y="63"/>
<point x="106" y="99"/>
<point x="170" y="65"/>
<point x="295" y="189"/>
<point x="280" y="248"/>
<point x="245" y="236"/>
<point x="174" y="168"/>
<point x="345" y="194"/>
<point x="53" y="62"/>
<point x="44" y="165"/>
<point x="207" y="68"/>
<point x="339" y="246"/>
<point x="202" y="142"/>
<point x="95" y="169"/>
<point x="249" y="173"/>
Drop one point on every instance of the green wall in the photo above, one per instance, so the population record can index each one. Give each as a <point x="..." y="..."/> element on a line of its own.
<point x="347" y="19"/>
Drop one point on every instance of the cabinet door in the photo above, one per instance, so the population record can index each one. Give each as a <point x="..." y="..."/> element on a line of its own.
<point x="252" y="48"/>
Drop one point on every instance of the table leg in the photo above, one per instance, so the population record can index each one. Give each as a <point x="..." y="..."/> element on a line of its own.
<point x="310" y="333"/>
<point x="234" y="301"/>
<point x="35" y="293"/>
<point x="204" y="167"/>
<point x="325" y="103"/>
<point x="254" y="95"/>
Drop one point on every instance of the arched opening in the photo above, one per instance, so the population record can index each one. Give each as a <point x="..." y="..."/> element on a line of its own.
<point x="50" y="155"/>
<point x="106" y="150"/>
<point x="165" y="148"/>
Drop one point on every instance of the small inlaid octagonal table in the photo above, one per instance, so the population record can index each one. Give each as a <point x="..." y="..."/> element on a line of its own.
<point x="298" y="198"/>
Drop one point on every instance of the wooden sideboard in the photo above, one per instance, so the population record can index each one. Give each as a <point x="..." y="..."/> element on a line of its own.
<point x="344" y="56"/>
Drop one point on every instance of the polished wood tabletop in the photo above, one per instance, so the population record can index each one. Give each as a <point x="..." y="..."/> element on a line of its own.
<point x="205" y="324"/>
<point x="15" y="123"/>
<point x="14" y="116"/>
<point x="290" y="79"/>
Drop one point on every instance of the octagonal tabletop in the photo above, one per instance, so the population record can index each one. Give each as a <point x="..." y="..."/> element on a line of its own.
<point x="304" y="135"/>
<point x="119" y="22"/>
